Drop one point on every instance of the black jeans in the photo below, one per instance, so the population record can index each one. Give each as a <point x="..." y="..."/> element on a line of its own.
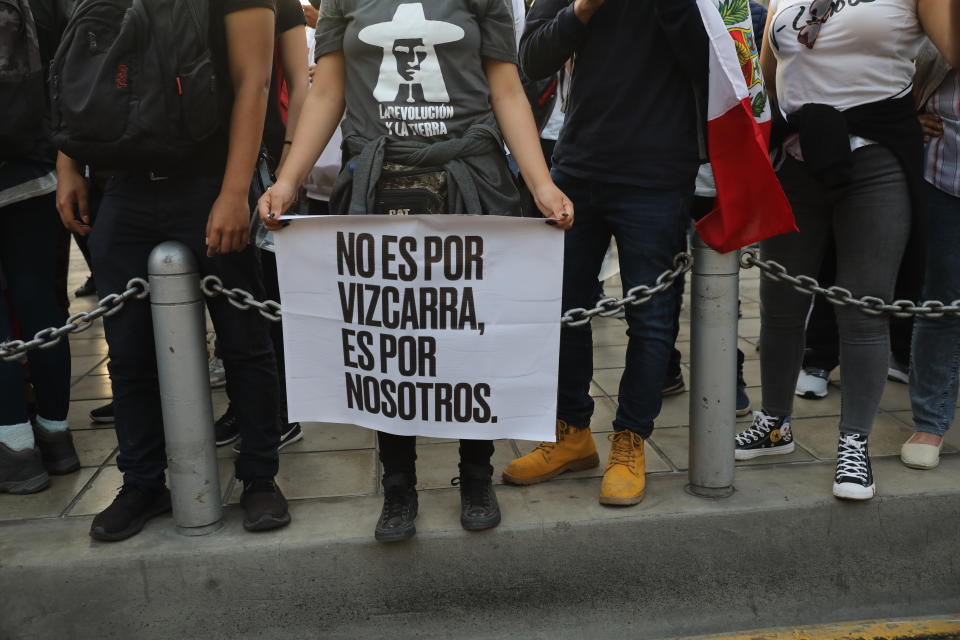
<point x="28" y="263"/>
<point x="136" y="214"/>
<point x="398" y="454"/>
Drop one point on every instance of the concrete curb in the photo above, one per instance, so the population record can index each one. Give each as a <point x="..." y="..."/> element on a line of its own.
<point x="780" y="551"/>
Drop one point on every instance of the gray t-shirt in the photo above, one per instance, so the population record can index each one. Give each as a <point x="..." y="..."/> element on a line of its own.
<point x="414" y="69"/>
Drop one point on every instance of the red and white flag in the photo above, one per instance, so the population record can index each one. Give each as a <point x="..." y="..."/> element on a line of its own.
<point x="750" y="204"/>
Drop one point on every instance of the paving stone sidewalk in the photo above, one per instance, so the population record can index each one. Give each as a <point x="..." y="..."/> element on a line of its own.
<point x="335" y="460"/>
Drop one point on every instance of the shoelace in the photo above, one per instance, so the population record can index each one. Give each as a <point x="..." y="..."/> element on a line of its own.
<point x="852" y="458"/>
<point x="395" y="506"/>
<point x="622" y="448"/>
<point x="760" y="429"/>
<point x="475" y="492"/>
<point x="548" y="447"/>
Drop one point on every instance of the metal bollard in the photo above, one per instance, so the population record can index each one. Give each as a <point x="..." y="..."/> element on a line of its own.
<point x="713" y="363"/>
<point x="179" y="331"/>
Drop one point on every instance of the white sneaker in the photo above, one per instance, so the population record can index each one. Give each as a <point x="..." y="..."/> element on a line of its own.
<point x="898" y="372"/>
<point x="218" y="376"/>
<point x="812" y="383"/>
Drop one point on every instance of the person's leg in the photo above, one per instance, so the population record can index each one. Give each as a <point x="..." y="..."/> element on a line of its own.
<point x="783" y="313"/>
<point x="479" y="508"/>
<point x="398" y="456"/>
<point x="909" y="287"/>
<point x="822" y="338"/>
<point x="127" y="230"/>
<point x="872" y="218"/>
<point x="585" y="245"/>
<point x="935" y="370"/>
<point x="28" y="257"/>
<point x="783" y="310"/>
<point x="648" y="227"/>
<point x="243" y="339"/>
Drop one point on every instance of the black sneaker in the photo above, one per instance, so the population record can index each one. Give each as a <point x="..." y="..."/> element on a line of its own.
<point x="767" y="436"/>
<point x="89" y="288"/>
<point x="129" y="511"/>
<point x="479" y="509"/>
<point x="56" y="450"/>
<point x="293" y="433"/>
<point x="102" y="415"/>
<point x="400" y="507"/>
<point x="227" y="428"/>
<point x="854" y="479"/>
<point x="22" y="472"/>
<point x="264" y="506"/>
<point x="673" y="386"/>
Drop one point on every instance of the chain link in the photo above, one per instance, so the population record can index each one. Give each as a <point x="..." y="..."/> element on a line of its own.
<point x="606" y="307"/>
<point x="212" y="286"/>
<point x="639" y="294"/>
<point x="15" y="350"/>
<point x="870" y="305"/>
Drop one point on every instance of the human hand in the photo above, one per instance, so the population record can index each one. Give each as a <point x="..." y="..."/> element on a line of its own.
<point x="584" y="9"/>
<point x="228" y="227"/>
<point x="278" y="198"/>
<point x="554" y="205"/>
<point x="310" y="71"/>
<point x="73" y="200"/>
<point x="932" y="126"/>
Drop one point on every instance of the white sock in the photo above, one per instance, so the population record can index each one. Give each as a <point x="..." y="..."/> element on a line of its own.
<point x="17" y="436"/>
<point x="52" y="426"/>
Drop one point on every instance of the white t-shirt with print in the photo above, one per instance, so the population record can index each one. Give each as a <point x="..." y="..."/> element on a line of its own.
<point x="864" y="53"/>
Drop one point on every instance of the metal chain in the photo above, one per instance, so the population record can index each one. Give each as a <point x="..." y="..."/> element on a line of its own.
<point x="606" y="307"/>
<point x="870" y="305"/>
<point x="212" y="286"/>
<point x="14" y="350"/>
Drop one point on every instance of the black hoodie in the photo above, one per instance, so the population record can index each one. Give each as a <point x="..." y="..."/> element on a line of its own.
<point x="637" y="107"/>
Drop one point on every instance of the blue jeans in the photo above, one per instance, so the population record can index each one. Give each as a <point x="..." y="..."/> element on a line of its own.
<point x="936" y="341"/>
<point x="648" y="225"/>
<point x="135" y="215"/>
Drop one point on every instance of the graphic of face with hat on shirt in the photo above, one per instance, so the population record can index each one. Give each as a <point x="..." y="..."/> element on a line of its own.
<point x="410" y="71"/>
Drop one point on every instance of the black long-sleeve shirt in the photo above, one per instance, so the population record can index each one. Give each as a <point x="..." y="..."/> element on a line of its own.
<point x="636" y="112"/>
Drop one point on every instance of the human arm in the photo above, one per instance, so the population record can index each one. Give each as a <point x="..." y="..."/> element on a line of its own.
<point x="322" y="111"/>
<point x="510" y="106"/>
<point x="768" y="62"/>
<point x="293" y="46"/>
<point x="940" y="20"/>
<point x="250" y="56"/>
<point x="72" y="195"/>
<point x="553" y="34"/>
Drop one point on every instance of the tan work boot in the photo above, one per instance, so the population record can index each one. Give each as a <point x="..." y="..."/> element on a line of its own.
<point x="574" y="450"/>
<point x="624" y="480"/>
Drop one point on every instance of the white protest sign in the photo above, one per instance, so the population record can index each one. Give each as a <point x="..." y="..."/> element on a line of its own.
<point x="442" y="325"/>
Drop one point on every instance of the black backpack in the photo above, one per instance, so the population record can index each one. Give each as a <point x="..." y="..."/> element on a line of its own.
<point x="133" y="83"/>
<point x="22" y="87"/>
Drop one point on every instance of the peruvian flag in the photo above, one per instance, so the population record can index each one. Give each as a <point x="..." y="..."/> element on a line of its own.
<point x="750" y="205"/>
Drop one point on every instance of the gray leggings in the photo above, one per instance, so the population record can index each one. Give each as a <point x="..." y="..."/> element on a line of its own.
<point x="870" y="221"/>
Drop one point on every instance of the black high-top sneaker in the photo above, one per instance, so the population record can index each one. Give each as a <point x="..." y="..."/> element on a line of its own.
<point x="479" y="509"/>
<point x="767" y="436"/>
<point x="400" y="506"/>
<point x="854" y="479"/>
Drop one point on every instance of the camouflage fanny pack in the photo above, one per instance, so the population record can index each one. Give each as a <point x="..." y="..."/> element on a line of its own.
<point x="404" y="190"/>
